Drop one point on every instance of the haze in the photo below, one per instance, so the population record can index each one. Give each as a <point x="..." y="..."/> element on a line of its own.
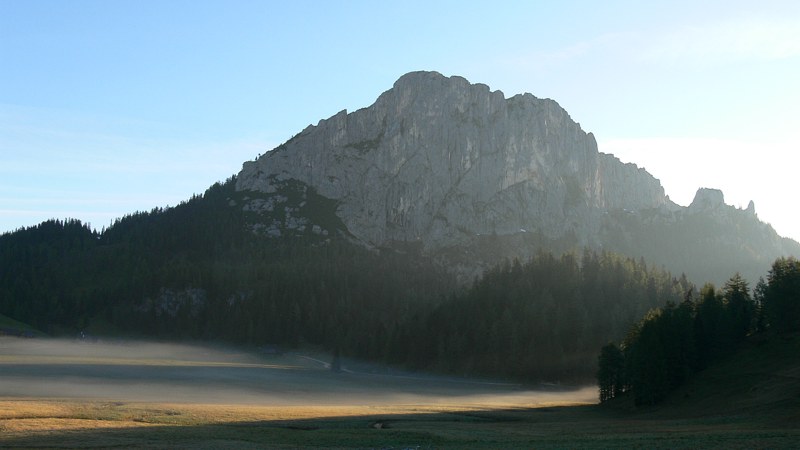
<point x="150" y="372"/>
<point x="111" y="107"/>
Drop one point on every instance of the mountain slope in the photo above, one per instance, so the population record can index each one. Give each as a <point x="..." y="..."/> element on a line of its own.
<point x="352" y="235"/>
<point x="440" y="160"/>
<point x="762" y="378"/>
<point x="440" y="163"/>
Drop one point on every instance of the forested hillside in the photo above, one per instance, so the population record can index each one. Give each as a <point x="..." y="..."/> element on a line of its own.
<point x="196" y="271"/>
<point x="199" y="271"/>
<point x="539" y="320"/>
<point x="672" y="343"/>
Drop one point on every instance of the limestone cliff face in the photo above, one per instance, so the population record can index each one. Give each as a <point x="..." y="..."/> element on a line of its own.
<point x="439" y="160"/>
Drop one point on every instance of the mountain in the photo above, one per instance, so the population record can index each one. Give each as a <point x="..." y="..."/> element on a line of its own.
<point x="441" y="160"/>
<point x="471" y="178"/>
<point x="390" y="234"/>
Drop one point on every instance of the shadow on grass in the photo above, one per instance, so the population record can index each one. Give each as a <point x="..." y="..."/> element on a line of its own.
<point x="552" y="427"/>
<point x="456" y="429"/>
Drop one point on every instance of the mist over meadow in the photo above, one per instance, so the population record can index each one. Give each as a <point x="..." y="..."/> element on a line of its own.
<point x="136" y="371"/>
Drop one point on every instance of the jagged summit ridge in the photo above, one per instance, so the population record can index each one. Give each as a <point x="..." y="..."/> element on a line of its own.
<point x="440" y="160"/>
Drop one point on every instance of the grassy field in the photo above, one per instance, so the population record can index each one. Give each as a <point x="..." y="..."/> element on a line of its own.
<point x="92" y="424"/>
<point x="151" y="396"/>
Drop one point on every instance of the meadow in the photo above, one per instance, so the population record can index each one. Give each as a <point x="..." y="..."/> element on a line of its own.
<point x="72" y="394"/>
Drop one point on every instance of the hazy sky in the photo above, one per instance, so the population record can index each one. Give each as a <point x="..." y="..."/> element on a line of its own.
<point x="111" y="106"/>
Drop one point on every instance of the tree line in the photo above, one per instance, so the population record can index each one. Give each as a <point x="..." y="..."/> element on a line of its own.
<point x="198" y="271"/>
<point x="539" y="320"/>
<point x="677" y="340"/>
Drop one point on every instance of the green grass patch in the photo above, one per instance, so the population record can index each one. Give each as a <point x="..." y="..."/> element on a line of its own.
<point x="12" y="326"/>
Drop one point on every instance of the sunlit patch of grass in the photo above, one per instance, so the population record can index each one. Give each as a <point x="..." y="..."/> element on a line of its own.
<point x="84" y="424"/>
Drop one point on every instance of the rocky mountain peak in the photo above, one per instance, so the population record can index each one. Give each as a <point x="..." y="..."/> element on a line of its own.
<point x="430" y="85"/>
<point x="712" y="201"/>
<point x="433" y="82"/>
<point x="751" y="208"/>
<point x="471" y="177"/>
<point x="707" y="199"/>
<point x="439" y="160"/>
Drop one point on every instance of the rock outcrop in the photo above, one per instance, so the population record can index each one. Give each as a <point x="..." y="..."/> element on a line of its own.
<point x="707" y="200"/>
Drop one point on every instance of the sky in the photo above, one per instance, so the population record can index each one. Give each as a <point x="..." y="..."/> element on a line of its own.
<point x="109" y="107"/>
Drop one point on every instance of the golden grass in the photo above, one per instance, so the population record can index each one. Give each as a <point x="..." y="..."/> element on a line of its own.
<point x="43" y="419"/>
<point x="22" y="415"/>
<point x="172" y="413"/>
<point x="90" y="424"/>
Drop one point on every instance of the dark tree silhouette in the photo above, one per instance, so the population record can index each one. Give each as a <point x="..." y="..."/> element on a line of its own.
<point x="781" y="300"/>
<point x="611" y="372"/>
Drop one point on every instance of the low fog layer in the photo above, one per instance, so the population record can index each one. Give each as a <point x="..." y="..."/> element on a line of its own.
<point x="152" y="372"/>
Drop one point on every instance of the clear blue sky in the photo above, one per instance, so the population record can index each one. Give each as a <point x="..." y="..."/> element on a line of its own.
<point x="108" y="107"/>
